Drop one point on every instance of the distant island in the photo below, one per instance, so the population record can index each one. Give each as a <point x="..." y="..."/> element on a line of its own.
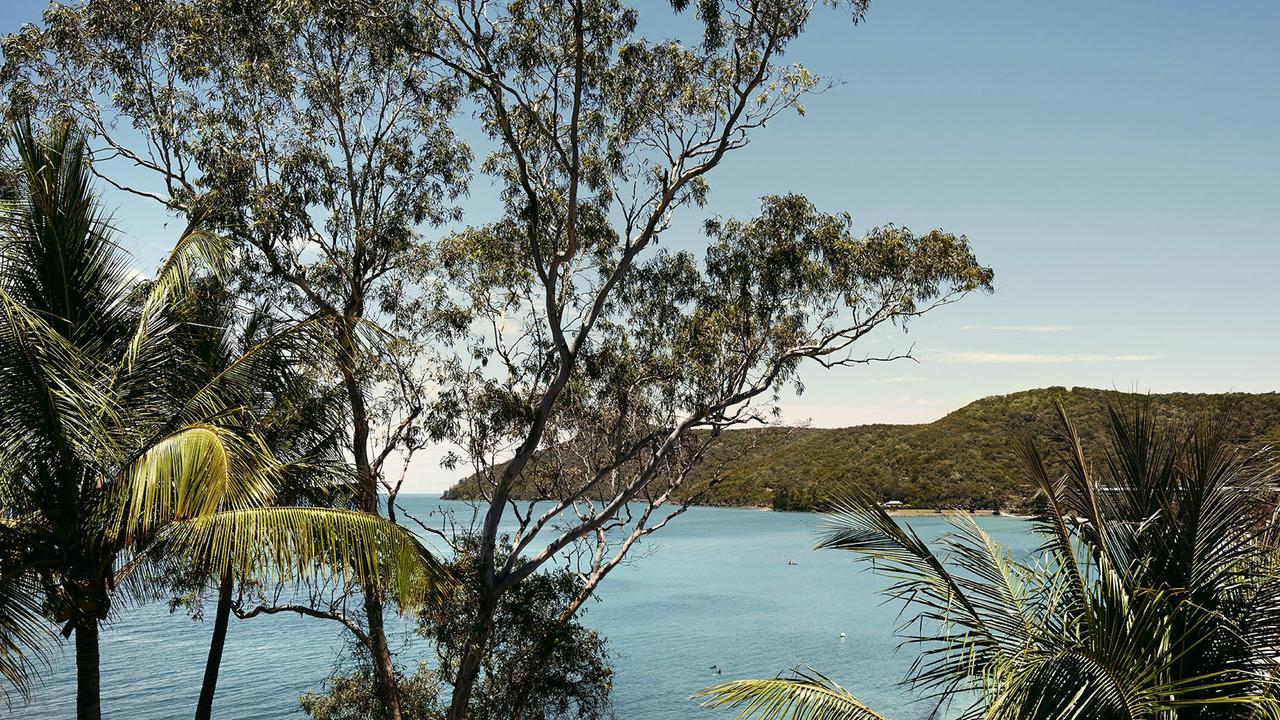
<point x="965" y="460"/>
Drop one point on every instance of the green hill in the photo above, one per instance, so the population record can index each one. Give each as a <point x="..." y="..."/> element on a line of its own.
<point x="963" y="460"/>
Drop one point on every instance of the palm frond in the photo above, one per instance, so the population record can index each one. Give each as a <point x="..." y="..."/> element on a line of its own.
<point x="244" y="375"/>
<point x="1131" y="664"/>
<point x="192" y="473"/>
<point x="1005" y="593"/>
<point x="196" y="248"/>
<point x="1052" y="523"/>
<point x="1079" y="495"/>
<point x="51" y="399"/>
<point x="293" y="543"/>
<point x="956" y="627"/>
<point x="803" y="695"/>
<point x="25" y="635"/>
<point x="59" y="257"/>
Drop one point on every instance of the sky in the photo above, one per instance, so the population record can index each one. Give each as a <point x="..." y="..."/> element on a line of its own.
<point x="1114" y="162"/>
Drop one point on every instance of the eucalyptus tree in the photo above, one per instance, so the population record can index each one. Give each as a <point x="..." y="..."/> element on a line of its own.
<point x="315" y="136"/>
<point x="603" y="365"/>
<point x="105" y="473"/>
<point x="1155" y="595"/>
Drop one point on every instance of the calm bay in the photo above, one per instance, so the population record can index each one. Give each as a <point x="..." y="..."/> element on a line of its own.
<point x="712" y="589"/>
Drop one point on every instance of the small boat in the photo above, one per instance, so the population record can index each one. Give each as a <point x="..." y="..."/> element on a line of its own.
<point x="841" y="634"/>
<point x="792" y="562"/>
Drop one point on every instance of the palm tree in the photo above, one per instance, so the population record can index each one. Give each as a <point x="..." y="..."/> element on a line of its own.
<point x="1154" y="596"/>
<point x="105" y="472"/>
<point x="243" y="357"/>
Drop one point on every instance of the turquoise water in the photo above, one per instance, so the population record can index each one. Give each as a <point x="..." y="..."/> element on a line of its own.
<point x="712" y="588"/>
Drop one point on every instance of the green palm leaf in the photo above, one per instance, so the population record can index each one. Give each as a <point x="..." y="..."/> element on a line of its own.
<point x="962" y="630"/>
<point x="50" y="399"/>
<point x="194" y="472"/>
<point x="241" y="377"/>
<point x="293" y="543"/>
<point x="803" y="695"/>
<point x="25" y="634"/>
<point x="60" y="260"/>
<point x="197" y="248"/>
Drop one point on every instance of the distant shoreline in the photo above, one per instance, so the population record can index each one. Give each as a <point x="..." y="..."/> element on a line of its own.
<point x="902" y="512"/>
<point x="935" y="512"/>
<point x="899" y="512"/>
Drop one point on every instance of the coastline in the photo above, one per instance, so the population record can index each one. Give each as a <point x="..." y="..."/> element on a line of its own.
<point x="924" y="512"/>
<point x="936" y="512"/>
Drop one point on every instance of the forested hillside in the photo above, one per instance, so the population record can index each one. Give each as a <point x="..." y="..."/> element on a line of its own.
<point x="963" y="460"/>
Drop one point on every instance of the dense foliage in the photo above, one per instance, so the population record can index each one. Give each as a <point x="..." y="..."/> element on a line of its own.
<point x="542" y="666"/>
<point x="351" y="695"/>
<point x="313" y="135"/>
<point x="965" y="460"/>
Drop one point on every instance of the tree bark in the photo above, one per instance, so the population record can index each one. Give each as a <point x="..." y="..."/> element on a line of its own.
<point x="469" y="667"/>
<point x="379" y="651"/>
<point x="384" y="671"/>
<point x="88" y="678"/>
<point x="204" y="707"/>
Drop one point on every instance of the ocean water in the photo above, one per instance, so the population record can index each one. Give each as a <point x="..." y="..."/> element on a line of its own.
<point x="712" y="588"/>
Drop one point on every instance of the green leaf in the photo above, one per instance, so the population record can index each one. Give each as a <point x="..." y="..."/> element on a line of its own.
<point x="804" y="695"/>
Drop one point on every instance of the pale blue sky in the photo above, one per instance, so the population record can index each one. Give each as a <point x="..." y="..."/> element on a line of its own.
<point x="1115" y="162"/>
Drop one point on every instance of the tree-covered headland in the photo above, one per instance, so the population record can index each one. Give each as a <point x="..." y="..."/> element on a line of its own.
<point x="965" y="460"/>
